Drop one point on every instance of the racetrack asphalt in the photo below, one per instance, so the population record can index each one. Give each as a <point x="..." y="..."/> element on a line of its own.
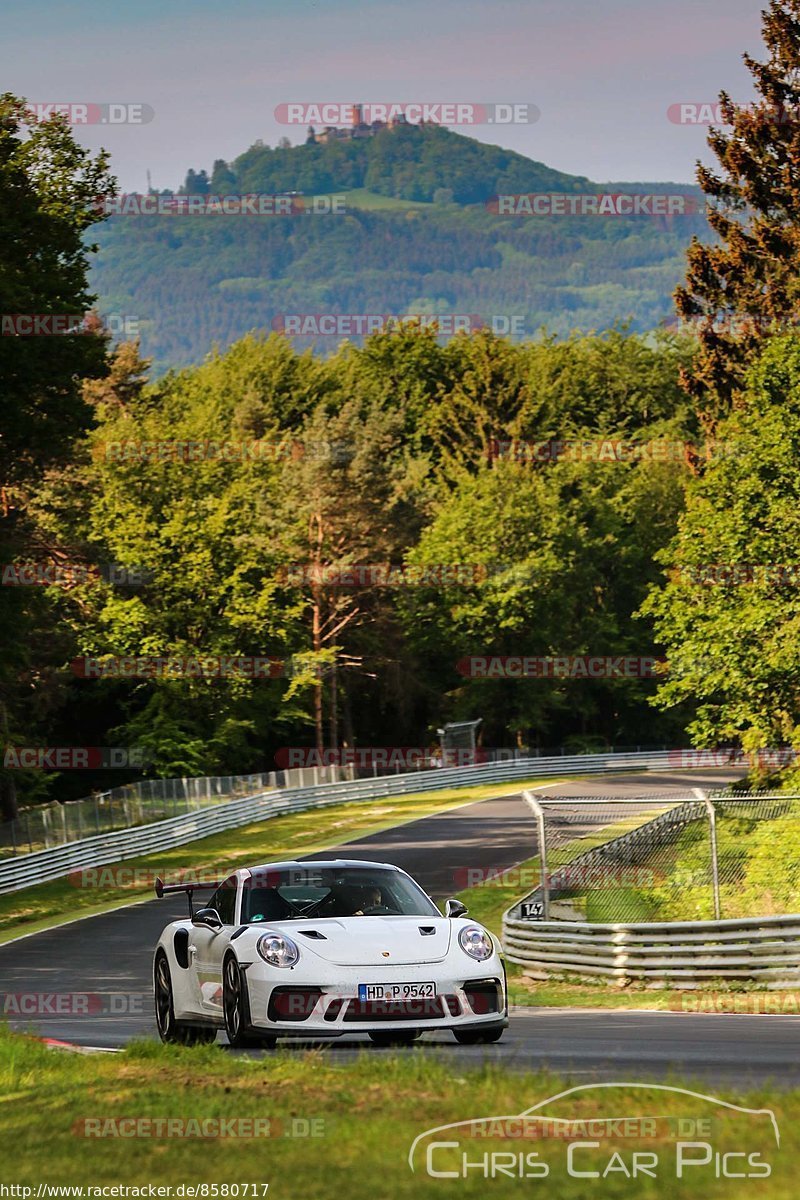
<point x="104" y="962"/>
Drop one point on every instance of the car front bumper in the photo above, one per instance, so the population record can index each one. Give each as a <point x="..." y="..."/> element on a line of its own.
<point x="297" y="1004"/>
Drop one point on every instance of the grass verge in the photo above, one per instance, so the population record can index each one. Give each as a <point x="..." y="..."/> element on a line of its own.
<point x="365" y="1115"/>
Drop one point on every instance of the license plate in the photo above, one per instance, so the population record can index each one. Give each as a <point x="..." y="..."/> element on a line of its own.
<point x="396" y="991"/>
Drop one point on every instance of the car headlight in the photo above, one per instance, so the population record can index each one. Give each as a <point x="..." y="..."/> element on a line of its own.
<point x="476" y="942"/>
<point x="278" y="950"/>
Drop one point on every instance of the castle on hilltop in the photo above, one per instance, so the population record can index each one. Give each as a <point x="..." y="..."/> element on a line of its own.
<point x="358" y="128"/>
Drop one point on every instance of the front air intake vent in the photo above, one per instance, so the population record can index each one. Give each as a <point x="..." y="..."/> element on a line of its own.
<point x="484" y="995"/>
<point x="314" y="934"/>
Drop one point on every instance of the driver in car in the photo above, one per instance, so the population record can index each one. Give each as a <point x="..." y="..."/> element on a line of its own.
<point x="371" y="898"/>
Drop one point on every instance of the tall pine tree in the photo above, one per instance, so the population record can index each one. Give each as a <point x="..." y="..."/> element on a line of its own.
<point x="746" y="285"/>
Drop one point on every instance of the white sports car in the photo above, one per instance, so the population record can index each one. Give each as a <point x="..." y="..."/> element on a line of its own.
<point x="326" y="948"/>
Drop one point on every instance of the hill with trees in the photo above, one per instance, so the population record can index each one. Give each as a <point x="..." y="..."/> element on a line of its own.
<point x="418" y="235"/>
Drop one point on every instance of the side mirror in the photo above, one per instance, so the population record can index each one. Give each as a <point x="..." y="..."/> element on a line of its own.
<point x="454" y="908"/>
<point x="208" y="918"/>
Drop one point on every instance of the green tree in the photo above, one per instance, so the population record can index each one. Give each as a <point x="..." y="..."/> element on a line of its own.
<point x="568" y="555"/>
<point x="223" y="179"/>
<point x="744" y="285"/>
<point x="51" y="190"/>
<point x="349" y="500"/>
<point x="729" y="612"/>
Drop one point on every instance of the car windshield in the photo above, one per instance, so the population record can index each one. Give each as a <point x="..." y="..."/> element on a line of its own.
<point x="275" y="894"/>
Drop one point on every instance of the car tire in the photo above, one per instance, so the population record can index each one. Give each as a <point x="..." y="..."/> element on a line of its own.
<point x="169" y="1030"/>
<point x="236" y="1009"/>
<point x="396" y="1037"/>
<point x="478" y="1037"/>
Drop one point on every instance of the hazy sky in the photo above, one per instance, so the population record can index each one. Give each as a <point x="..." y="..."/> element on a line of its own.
<point x="602" y="72"/>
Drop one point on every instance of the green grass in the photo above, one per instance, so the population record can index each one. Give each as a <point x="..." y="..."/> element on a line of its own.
<point x="749" y="847"/>
<point x="46" y="904"/>
<point x="371" y="201"/>
<point x="723" y="995"/>
<point x="564" y="992"/>
<point x="366" y="1114"/>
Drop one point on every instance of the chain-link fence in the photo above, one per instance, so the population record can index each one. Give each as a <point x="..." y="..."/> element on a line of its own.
<point x="121" y="808"/>
<point x="149" y="800"/>
<point x="703" y="857"/>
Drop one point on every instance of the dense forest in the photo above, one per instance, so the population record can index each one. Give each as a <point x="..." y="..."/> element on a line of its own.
<point x="403" y="452"/>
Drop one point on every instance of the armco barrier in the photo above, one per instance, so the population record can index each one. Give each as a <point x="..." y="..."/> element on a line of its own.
<point x="24" y="870"/>
<point x="680" y="954"/>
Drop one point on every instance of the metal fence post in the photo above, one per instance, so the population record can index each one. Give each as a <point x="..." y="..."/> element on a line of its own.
<point x="712" y="831"/>
<point x="538" y="811"/>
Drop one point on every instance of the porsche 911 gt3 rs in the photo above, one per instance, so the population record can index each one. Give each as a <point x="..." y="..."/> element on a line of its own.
<point x="323" y="949"/>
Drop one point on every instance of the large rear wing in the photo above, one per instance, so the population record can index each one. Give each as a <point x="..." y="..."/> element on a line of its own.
<point x="163" y="889"/>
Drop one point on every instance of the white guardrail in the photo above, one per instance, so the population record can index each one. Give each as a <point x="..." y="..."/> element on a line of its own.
<point x="680" y="953"/>
<point x="24" y="870"/>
